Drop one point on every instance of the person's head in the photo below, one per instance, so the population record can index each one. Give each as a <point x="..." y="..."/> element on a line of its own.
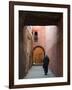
<point x="46" y="56"/>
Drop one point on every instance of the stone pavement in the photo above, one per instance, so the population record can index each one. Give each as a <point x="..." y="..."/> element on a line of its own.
<point x="37" y="72"/>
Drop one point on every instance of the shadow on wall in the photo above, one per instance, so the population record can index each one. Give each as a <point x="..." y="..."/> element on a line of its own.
<point x="25" y="52"/>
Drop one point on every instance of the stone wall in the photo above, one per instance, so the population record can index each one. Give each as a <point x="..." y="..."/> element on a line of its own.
<point x="54" y="48"/>
<point x="51" y="47"/>
<point x="25" y="52"/>
<point x="41" y="36"/>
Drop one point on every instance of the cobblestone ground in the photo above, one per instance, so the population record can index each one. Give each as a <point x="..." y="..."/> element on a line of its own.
<point x="37" y="72"/>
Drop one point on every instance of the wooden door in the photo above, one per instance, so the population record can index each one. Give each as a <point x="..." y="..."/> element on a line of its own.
<point x="38" y="55"/>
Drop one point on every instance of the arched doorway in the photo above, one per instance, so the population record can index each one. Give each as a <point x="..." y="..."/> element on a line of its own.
<point x="38" y="55"/>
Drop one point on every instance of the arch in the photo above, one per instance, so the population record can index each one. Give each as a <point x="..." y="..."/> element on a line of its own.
<point x="38" y="54"/>
<point x="40" y="47"/>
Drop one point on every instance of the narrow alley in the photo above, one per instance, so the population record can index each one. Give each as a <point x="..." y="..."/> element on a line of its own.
<point x="37" y="72"/>
<point x="38" y="40"/>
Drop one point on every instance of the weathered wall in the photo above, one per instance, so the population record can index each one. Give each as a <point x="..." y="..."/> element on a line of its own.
<point x="27" y="44"/>
<point x="51" y="46"/>
<point x="21" y="51"/>
<point x="54" y="48"/>
<point x="41" y="36"/>
<point x="25" y="52"/>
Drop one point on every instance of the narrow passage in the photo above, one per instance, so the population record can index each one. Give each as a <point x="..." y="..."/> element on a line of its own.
<point x="37" y="72"/>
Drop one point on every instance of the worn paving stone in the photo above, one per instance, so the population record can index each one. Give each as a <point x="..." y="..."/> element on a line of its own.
<point x="37" y="72"/>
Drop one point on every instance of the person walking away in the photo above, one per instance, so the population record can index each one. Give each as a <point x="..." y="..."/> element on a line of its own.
<point x="45" y="64"/>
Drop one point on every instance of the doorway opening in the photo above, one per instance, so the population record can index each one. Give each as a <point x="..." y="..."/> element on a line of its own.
<point x="38" y="55"/>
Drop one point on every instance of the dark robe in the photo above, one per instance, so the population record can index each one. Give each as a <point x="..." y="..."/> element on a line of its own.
<point x="45" y="64"/>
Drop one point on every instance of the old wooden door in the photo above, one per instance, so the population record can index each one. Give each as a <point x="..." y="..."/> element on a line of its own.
<point x="38" y="55"/>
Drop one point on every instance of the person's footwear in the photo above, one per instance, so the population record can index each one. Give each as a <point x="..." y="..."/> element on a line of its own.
<point x="45" y="73"/>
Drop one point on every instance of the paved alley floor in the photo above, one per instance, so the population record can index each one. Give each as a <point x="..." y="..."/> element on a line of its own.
<point x="37" y="72"/>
